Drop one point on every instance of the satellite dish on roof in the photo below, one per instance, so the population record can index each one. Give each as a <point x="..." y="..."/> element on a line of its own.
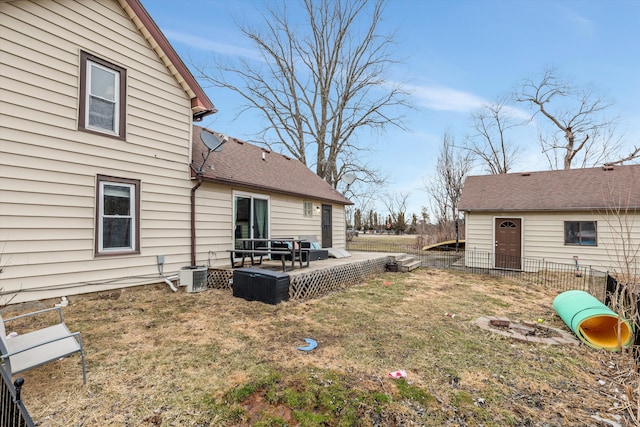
<point x="349" y="178"/>
<point x="212" y="142"/>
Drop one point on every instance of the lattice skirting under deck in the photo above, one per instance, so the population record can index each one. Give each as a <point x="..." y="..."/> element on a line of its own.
<point x="319" y="282"/>
<point x="219" y="279"/>
<point x="314" y="283"/>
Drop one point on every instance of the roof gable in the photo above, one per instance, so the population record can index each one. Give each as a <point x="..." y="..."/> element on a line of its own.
<point x="242" y="164"/>
<point x="201" y="105"/>
<point x="560" y="190"/>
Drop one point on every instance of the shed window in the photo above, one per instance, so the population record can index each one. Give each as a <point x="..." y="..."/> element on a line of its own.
<point x="308" y="209"/>
<point x="582" y="233"/>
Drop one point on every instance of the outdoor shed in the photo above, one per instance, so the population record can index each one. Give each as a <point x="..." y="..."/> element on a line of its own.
<point x="591" y="214"/>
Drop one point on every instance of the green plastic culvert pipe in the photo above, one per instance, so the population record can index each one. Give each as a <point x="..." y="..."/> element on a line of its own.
<point x="594" y="323"/>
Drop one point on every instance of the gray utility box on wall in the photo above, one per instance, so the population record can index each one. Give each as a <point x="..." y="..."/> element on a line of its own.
<point x="255" y="284"/>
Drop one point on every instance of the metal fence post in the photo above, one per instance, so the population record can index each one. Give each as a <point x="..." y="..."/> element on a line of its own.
<point x="13" y="413"/>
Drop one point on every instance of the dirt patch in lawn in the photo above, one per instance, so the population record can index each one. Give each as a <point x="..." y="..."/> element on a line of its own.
<point x="160" y="358"/>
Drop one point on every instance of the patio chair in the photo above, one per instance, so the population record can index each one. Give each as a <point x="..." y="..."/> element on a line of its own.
<point x="315" y="250"/>
<point x="31" y="349"/>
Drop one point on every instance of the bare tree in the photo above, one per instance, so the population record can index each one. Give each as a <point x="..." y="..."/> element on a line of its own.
<point x="321" y="82"/>
<point x="490" y="145"/>
<point x="445" y="187"/>
<point x="362" y="191"/>
<point x="363" y="196"/>
<point x="396" y="204"/>
<point x="367" y="181"/>
<point x="582" y="133"/>
<point x="621" y="218"/>
<point x="422" y="228"/>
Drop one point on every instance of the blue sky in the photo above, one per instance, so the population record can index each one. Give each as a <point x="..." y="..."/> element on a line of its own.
<point x="457" y="55"/>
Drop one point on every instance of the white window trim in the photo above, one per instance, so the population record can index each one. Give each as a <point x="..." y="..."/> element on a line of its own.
<point x="87" y="61"/>
<point x="116" y="99"/>
<point x="132" y="216"/>
<point x="252" y="196"/>
<point x="307" y="209"/>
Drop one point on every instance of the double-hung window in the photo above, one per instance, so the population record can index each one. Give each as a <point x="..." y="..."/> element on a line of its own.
<point x="118" y="224"/>
<point x="102" y="96"/>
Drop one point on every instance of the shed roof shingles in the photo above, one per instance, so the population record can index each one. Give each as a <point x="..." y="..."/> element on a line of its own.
<point x="242" y="164"/>
<point x="560" y="190"/>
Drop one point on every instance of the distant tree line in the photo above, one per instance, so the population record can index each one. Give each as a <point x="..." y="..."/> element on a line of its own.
<point x="375" y="222"/>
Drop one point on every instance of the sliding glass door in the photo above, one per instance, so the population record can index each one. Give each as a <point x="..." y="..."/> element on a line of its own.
<point x="251" y="218"/>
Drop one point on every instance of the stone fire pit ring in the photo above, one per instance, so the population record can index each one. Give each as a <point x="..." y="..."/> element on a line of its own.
<point x="525" y="331"/>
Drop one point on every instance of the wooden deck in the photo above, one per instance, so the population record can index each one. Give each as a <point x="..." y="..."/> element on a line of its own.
<point x="319" y="278"/>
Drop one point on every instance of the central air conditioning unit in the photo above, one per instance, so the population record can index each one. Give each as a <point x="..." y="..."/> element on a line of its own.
<point x="194" y="278"/>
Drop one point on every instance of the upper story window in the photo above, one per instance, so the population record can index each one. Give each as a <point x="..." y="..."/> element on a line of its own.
<point x="118" y="224"/>
<point x="582" y="233"/>
<point x="102" y="96"/>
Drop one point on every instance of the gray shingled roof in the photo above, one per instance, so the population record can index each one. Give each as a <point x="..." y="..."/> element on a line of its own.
<point x="561" y="190"/>
<point x="245" y="165"/>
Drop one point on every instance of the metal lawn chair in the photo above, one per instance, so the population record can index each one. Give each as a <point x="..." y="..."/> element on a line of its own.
<point x="25" y="351"/>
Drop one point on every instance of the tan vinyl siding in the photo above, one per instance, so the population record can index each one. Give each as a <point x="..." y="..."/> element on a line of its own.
<point x="214" y="223"/>
<point x="339" y="227"/>
<point x="479" y="232"/>
<point x="288" y="218"/>
<point x="48" y="168"/>
<point x="214" y="235"/>
<point x="545" y="239"/>
<point x="543" y="236"/>
<point x="621" y="240"/>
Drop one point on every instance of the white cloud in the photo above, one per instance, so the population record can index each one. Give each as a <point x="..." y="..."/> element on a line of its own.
<point x="445" y="99"/>
<point x="517" y="113"/>
<point x="211" y="45"/>
<point x="584" y="26"/>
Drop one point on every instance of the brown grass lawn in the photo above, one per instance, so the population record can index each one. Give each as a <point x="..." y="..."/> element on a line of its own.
<point x="158" y="358"/>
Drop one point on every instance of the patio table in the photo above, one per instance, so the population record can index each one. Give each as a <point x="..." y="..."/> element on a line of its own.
<point x="257" y="248"/>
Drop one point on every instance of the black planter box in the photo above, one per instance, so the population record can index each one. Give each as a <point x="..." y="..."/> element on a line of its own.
<point x="254" y="284"/>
